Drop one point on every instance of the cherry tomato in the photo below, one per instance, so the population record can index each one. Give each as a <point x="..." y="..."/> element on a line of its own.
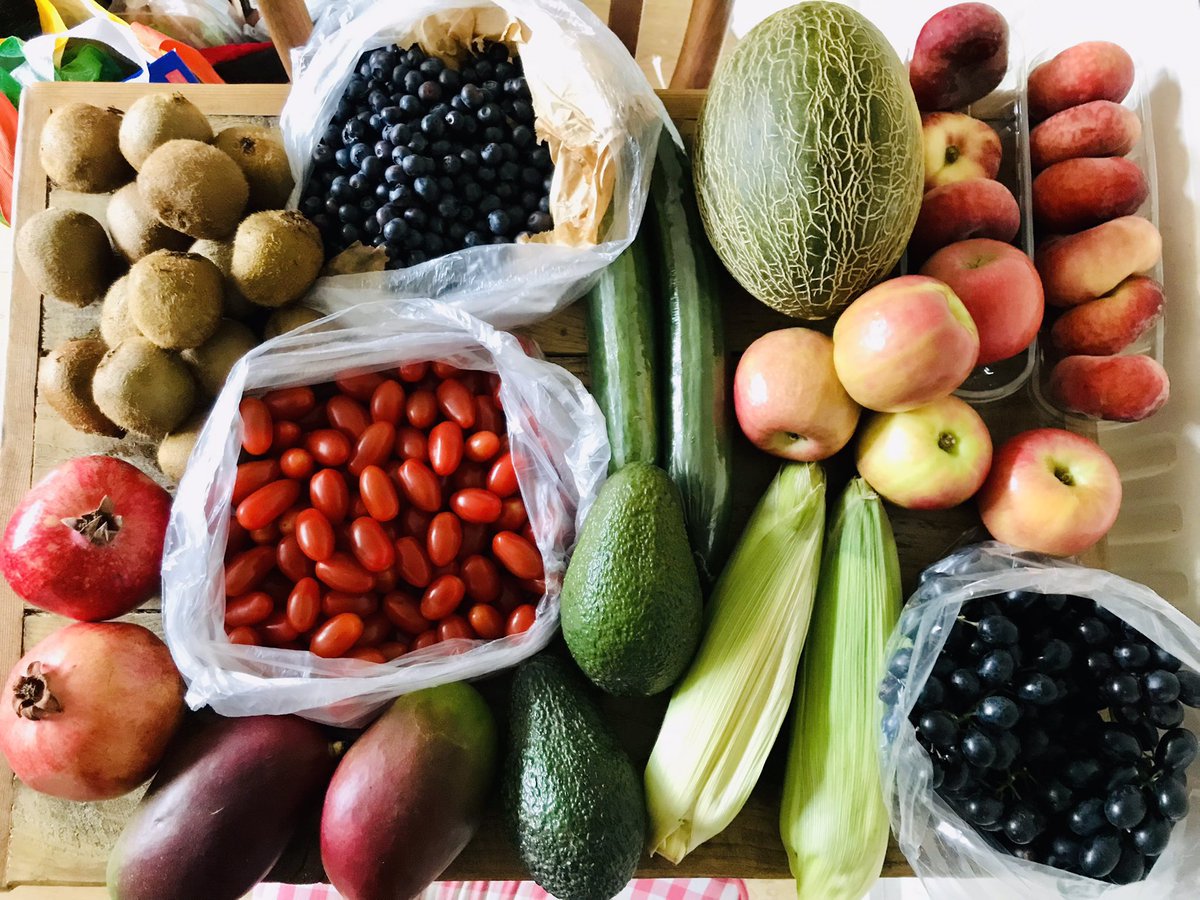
<point x="328" y="446"/>
<point x="493" y="378"/>
<point x="502" y="479"/>
<point x="387" y="580"/>
<point x="290" y="403"/>
<point x="276" y="630"/>
<point x="314" y="534"/>
<point x="285" y="436"/>
<point x="315" y="419"/>
<point x="370" y="545"/>
<point x="425" y="639"/>
<point x="415" y="522"/>
<point x="360" y="387"/>
<point x="296" y="463"/>
<point x="346" y="416"/>
<point x="304" y="605"/>
<point x="412" y="372"/>
<point x="482" y="580"/>
<point x="245" y="636"/>
<point x="343" y="573"/>
<point x="445" y="447"/>
<point x="374" y="446"/>
<point x="393" y="649"/>
<point x="512" y="514"/>
<point x="476" y="539"/>
<point x="487" y="621"/>
<point x="248" y="609"/>
<point x="253" y="475"/>
<point x="268" y="534"/>
<point x="422" y="409"/>
<point x="456" y="402"/>
<point x="487" y="415"/>
<point x="442" y="597"/>
<point x="237" y="540"/>
<point x="377" y="628"/>
<point x="454" y="627"/>
<point x="258" y="430"/>
<point x="448" y="569"/>
<point x="404" y="612"/>
<point x="365" y="654"/>
<point x="412" y="563"/>
<point x="291" y="560"/>
<point x="443" y="369"/>
<point x="287" y="520"/>
<point x="411" y="444"/>
<point x="469" y="475"/>
<point x="444" y="539"/>
<point x="328" y="492"/>
<point x="534" y="587"/>
<point x="420" y="485"/>
<point x="517" y="555"/>
<point x="482" y="446"/>
<point x="358" y="507"/>
<point x="334" y="603"/>
<point x="511" y="595"/>
<point x="527" y="533"/>
<point x="387" y="403"/>
<point x="475" y="505"/>
<point x="521" y="619"/>
<point x="336" y="636"/>
<point x="378" y="494"/>
<point x="267" y="503"/>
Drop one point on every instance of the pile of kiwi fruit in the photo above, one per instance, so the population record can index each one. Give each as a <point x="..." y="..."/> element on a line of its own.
<point x="199" y="262"/>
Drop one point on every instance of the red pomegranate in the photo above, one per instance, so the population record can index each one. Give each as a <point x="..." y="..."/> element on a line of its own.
<point x="87" y="714"/>
<point x="87" y="540"/>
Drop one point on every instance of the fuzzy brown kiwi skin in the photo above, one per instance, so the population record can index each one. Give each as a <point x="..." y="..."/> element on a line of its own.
<point x="175" y="298"/>
<point x="194" y="188"/>
<point x="135" y="230"/>
<point x="212" y="360"/>
<point x="289" y="318"/>
<point x="220" y="254"/>
<point x="176" y="447"/>
<point x="277" y="255"/>
<point x="66" y="254"/>
<point x="115" y="322"/>
<point x="154" y="119"/>
<point x="262" y="159"/>
<point x="65" y="380"/>
<point x="79" y="151"/>
<point x="144" y="388"/>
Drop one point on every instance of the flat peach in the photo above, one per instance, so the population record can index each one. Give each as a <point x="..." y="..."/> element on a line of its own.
<point x="1113" y="388"/>
<point x="1093" y="70"/>
<point x="958" y="148"/>
<point x="1089" y="264"/>
<point x="961" y="54"/>
<point x="1109" y="324"/>
<point x="965" y="209"/>
<point x="1099" y="128"/>
<point x="1078" y="193"/>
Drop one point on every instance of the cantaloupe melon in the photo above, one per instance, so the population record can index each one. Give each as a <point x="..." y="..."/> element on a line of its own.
<point x="808" y="161"/>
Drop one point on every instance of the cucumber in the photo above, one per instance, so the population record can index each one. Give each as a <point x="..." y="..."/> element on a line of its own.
<point x="696" y="437"/>
<point x="622" y="351"/>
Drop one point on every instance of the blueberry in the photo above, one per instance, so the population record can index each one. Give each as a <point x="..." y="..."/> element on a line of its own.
<point x="1176" y="750"/>
<point x="427" y="189"/>
<point x="522" y="111"/>
<point x="489" y="203"/>
<point x="472" y="96"/>
<point x="1023" y="825"/>
<point x="474" y="239"/>
<point x="539" y="221"/>
<point x="489" y="114"/>
<point x="350" y="233"/>
<point x="416" y="217"/>
<point x="498" y="222"/>
<point x="372" y="167"/>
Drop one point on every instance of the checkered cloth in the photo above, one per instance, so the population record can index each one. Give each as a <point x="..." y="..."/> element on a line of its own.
<point x="639" y="889"/>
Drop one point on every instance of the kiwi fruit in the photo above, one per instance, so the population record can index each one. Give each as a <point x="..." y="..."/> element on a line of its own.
<point x="176" y="447"/>
<point x="65" y="380"/>
<point x="66" y="254"/>
<point x="276" y="257"/>
<point x="79" y="149"/>
<point x="284" y="320"/>
<point x="220" y="254"/>
<point x="260" y="156"/>
<point x="115" y="321"/>
<point x="144" y="388"/>
<point x="194" y="188"/>
<point x="175" y="298"/>
<point x="213" y="359"/>
<point x="135" y="230"/>
<point x="154" y="119"/>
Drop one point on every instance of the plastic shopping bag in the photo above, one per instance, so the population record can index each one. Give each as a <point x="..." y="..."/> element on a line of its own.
<point x="594" y="108"/>
<point x="950" y="857"/>
<point x="560" y="448"/>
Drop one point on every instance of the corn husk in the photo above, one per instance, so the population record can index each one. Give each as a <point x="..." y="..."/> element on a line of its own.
<point x="833" y="821"/>
<point x="726" y="712"/>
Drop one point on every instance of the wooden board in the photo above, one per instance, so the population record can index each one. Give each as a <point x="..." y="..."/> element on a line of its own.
<point x="46" y="841"/>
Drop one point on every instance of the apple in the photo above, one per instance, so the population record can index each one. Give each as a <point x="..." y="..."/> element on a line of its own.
<point x="1052" y="491"/>
<point x="957" y="148"/>
<point x="904" y="343"/>
<point x="999" y="286"/>
<point x="932" y="457"/>
<point x="788" y="399"/>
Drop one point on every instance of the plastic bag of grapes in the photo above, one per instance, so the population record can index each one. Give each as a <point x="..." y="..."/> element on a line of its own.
<point x="469" y="145"/>
<point x="1038" y="734"/>
<point x="560" y="453"/>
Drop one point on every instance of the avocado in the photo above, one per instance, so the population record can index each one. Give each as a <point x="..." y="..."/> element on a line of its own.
<point x="572" y="800"/>
<point x="631" y="602"/>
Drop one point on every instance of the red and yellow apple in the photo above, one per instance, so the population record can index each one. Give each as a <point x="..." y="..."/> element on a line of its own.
<point x="958" y="147"/>
<point x="904" y="343"/>
<point x="932" y="457"/>
<point x="1000" y="288"/>
<point x="788" y="399"/>
<point x="1052" y="491"/>
<point x="960" y="55"/>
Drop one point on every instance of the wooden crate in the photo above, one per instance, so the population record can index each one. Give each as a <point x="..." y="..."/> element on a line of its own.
<point x="47" y="841"/>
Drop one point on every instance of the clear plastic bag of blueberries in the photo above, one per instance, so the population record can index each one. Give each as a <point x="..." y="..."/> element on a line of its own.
<point x="1039" y="732"/>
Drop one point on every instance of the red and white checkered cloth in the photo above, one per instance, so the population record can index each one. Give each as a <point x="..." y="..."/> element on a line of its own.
<point x="638" y="889"/>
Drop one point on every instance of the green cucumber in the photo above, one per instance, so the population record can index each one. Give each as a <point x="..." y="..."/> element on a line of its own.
<point x="696" y="437"/>
<point x="622" y="351"/>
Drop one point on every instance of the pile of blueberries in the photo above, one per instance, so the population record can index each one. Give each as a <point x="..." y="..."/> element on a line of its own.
<point x="1054" y="728"/>
<point x="423" y="159"/>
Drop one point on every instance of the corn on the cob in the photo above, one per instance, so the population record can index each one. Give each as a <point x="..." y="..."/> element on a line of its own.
<point x="833" y="821"/>
<point x="726" y="712"/>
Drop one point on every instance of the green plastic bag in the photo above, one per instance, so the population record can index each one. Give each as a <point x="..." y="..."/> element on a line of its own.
<point x="12" y="54"/>
<point x="87" y="62"/>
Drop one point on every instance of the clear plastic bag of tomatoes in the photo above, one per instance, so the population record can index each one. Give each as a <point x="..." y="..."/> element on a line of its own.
<point x="559" y="450"/>
<point x="593" y="110"/>
<point x="952" y="858"/>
